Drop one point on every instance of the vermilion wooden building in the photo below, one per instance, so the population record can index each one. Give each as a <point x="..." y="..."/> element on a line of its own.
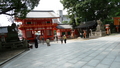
<point x="65" y="29"/>
<point x="117" y="23"/>
<point x="42" y="23"/>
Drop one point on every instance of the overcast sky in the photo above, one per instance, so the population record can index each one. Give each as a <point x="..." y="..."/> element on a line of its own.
<point x="50" y="5"/>
<point x="43" y="5"/>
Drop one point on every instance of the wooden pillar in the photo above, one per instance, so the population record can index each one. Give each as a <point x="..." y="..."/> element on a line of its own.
<point x="53" y="33"/>
<point x="45" y="31"/>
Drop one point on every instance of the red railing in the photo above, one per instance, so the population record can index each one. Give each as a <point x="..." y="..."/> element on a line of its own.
<point x="38" y="25"/>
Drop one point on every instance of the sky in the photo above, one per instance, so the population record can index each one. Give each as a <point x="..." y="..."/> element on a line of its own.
<point x="50" y="5"/>
<point x="54" y="5"/>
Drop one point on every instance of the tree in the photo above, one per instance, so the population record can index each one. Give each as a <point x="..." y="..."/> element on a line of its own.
<point x="18" y="8"/>
<point x="88" y="10"/>
<point x="65" y="22"/>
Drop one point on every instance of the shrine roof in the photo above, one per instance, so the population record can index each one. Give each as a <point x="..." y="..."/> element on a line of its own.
<point x="87" y="24"/>
<point x="64" y="26"/>
<point x="42" y="14"/>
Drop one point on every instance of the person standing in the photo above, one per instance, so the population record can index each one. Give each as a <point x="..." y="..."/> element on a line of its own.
<point x="87" y="33"/>
<point x="36" y="43"/>
<point x="64" y="38"/>
<point x="42" y="39"/>
<point x="48" y="42"/>
<point x="84" y="33"/>
<point x="57" y="38"/>
<point x="37" y="37"/>
<point x="61" y="39"/>
<point x="81" y="35"/>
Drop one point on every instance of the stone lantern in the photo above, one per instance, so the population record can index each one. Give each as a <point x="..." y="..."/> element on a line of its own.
<point x="107" y="28"/>
<point x="117" y="28"/>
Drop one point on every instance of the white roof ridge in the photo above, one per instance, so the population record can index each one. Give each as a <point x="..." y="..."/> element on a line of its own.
<point x="42" y="14"/>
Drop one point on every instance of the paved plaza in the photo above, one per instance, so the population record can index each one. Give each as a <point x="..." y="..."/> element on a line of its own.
<point x="103" y="52"/>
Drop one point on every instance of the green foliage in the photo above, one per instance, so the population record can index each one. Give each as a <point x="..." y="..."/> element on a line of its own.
<point x="73" y="23"/>
<point x="19" y="8"/>
<point x="65" y="22"/>
<point x="88" y="10"/>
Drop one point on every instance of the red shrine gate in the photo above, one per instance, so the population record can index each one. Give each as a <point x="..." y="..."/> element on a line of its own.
<point x="38" y="22"/>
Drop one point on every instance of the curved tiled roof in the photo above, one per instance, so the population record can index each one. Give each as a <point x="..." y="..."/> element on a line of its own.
<point x="87" y="24"/>
<point x="64" y="26"/>
<point x="42" y="14"/>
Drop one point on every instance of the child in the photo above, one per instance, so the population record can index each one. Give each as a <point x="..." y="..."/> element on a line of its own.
<point x="48" y="42"/>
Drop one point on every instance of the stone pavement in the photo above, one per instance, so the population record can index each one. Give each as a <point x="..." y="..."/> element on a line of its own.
<point x="6" y="56"/>
<point x="103" y="52"/>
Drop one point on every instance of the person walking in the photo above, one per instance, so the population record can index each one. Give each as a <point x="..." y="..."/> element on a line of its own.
<point x="36" y="42"/>
<point x="64" y="38"/>
<point x="48" y="42"/>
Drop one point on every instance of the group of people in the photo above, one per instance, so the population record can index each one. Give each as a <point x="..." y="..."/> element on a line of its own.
<point x="62" y="39"/>
<point x="85" y="33"/>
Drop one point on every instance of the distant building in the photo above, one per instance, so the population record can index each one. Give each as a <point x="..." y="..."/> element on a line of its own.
<point x="63" y="29"/>
<point x="63" y="17"/>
